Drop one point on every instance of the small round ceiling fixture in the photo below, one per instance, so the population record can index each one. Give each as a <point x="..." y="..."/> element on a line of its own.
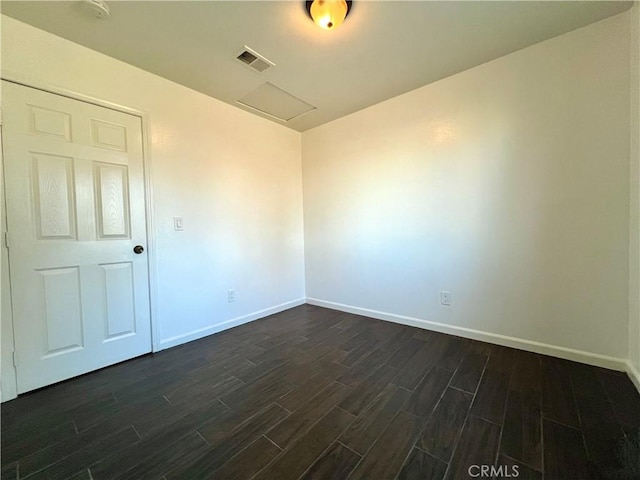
<point x="98" y="8"/>
<point x="328" y="14"/>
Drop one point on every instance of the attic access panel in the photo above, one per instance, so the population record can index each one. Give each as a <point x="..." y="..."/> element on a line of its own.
<point x="275" y="102"/>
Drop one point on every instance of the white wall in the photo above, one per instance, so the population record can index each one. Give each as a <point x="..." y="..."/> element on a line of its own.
<point x="234" y="177"/>
<point x="507" y="185"/>
<point x="634" y="222"/>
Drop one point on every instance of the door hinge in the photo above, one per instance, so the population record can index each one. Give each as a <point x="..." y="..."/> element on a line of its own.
<point x="6" y="239"/>
<point x="15" y="359"/>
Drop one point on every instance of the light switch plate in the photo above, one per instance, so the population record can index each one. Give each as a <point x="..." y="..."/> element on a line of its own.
<point x="178" y="224"/>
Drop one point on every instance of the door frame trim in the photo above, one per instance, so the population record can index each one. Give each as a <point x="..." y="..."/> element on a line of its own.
<point x="147" y="163"/>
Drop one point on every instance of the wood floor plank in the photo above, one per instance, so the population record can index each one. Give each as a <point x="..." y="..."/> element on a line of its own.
<point x="360" y="351"/>
<point x="362" y="369"/>
<point x="564" y="453"/>
<point x="522" y="430"/>
<point x="624" y="397"/>
<point x="388" y="333"/>
<point x="403" y="355"/>
<point x="150" y="387"/>
<point x="203" y="391"/>
<point x="491" y="396"/>
<point x="314" y="385"/>
<point x="397" y="339"/>
<point x="224" y="365"/>
<point x="585" y="380"/>
<point x="365" y="392"/>
<point x="422" y="466"/>
<point x="527" y="374"/>
<point x="516" y="469"/>
<point x="256" y="371"/>
<point x="478" y="445"/>
<point x="386" y="457"/>
<point x="306" y="367"/>
<point x="83" y="474"/>
<point x="220" y="428"/>
<point x="502" y="359"/>
<point x="344" y="340"/>
<point x="21" y="447"/>
<point x="255" y="396"/>
<point x="190" y="361"/>
<point x="420" y="363"/>
<point x="181" y="451"/>
<point x="558" y="403"/>
<point x="335" y="463"/>
<point x="223" y="448"/>
<point x="155" y="421"/>
<point x="372" y="421"/>
<point x="144" y="454"/>
<point x="443" y="429"/>
<point x="30" y="424"/>
<point x="248" y="462"/>
<point x="320" y="355"/>
<point x="631" y="455"/>
<point x="9" y="470"/>
<point x="421" y="334"/>
<point x="323" y="335"/>
<point x="481" y="348"/>
<point x="469" y="372"/>
<point x="428" y="392"/>
<point x="281" y="352"/>
<point x="29" y="411"/>
<point x="65" y="447"/>
<point x="295" y="461"/>
<point x="126" y="412"/>
<point x="286" y="337"/>
<point x="602" y="433"/>
<point x="453" y="353"/>
<point x="298" y="423"/>
<point x="81" y="458"/>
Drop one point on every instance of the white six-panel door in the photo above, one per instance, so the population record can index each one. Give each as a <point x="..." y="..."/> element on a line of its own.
<point x="75" y="210"/>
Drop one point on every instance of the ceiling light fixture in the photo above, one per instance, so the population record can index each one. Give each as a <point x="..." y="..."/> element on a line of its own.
<point x="98" y="8"/>
<point x="328" y="14"/>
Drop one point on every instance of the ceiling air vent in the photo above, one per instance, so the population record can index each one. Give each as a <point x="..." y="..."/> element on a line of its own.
<point x="254" y="60"/>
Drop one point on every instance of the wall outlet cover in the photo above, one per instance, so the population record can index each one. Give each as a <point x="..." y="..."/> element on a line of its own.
<point x="445" y="298"/>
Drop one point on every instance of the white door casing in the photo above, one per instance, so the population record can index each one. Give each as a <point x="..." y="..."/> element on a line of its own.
<point x="75" y="211"/>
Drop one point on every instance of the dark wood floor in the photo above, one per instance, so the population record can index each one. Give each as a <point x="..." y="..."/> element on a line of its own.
<point x="316" y="394"/>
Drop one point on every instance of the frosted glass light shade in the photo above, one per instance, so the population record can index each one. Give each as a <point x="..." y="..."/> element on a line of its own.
<point x="328" y="14"/>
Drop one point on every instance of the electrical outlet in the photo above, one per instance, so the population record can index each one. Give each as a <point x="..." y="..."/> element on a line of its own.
<point x="445" y="298"/>
<point x="231" y="296"/>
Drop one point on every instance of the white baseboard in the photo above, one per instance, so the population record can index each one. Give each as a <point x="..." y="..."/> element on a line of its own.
<point x="598" y="360"/>
<point x="634" y="374"/>
<point x="234" y="322"/>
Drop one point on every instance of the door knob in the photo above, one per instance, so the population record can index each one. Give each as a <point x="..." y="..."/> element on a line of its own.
<point x="138" y="249"/>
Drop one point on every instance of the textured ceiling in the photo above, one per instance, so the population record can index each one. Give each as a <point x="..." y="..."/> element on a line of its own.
<point x="383" y="49"/>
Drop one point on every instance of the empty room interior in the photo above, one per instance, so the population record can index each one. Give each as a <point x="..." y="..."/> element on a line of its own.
<point x="281" y="240"/>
